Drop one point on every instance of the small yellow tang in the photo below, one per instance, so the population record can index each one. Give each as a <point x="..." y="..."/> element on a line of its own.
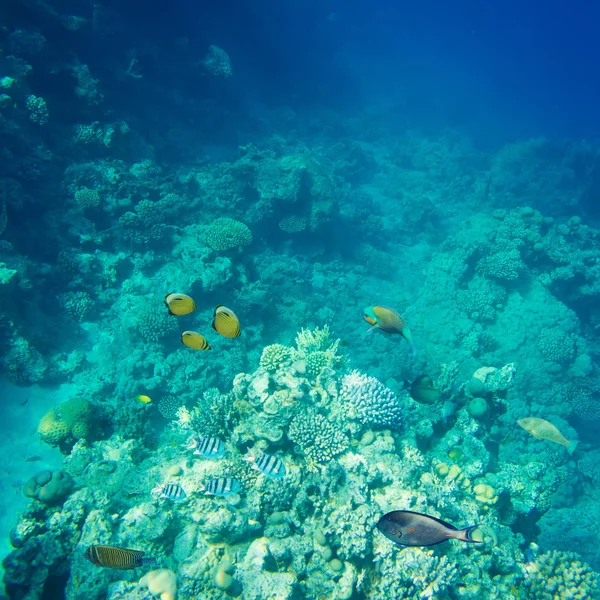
<point x="143" y="399"/>
<point x="194" y="340"/>
<point x="544" y="430"/>
<point x="225" y="322"/>
<point x="180" y="304"/>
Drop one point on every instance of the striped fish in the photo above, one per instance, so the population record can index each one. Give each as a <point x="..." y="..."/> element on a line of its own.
<point x="209" y="447"/>
<point x="267" y="464"/>
<point x="172" y="491"/>
<point x="113" y="557"/>
<point x="222" y="486"/>
<point x="225" y="322"/>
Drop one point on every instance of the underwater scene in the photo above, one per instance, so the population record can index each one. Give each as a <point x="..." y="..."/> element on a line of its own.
<point x="299" y="300"/>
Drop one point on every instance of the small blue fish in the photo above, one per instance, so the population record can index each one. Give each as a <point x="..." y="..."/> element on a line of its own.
<point x="209" y="447"/>
<point x="172" y="491"/>
<point x="267" y="464"/>
<point x="221" y="486"/>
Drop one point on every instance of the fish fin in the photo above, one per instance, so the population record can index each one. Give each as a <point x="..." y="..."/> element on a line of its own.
<point x="572" y="445"/>
<point x="371" y="329"/>
<point x="464" y="535"/>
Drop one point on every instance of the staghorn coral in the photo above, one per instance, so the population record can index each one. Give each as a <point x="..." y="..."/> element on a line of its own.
<point x="370" y="401"/>
<point x="226" y="234"/>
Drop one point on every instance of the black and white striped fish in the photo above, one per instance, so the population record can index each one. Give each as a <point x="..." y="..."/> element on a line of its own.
<point x="113" y="557"/>
<point x="222" y="486"/>
<point x="209" y="447"/>
<point x="267" y="464"/>
<point x="172" y="491"/>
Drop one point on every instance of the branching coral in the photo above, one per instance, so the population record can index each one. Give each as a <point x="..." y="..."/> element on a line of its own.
<point x="317" y="438"/>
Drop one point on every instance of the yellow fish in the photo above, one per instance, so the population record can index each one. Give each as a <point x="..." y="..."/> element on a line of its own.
<point x="544" y="430"/>
<point x="180" y="304"/>
<point x="143" y="399"/>
<point x="194" y="340"/>
<point x="225" y="322"/>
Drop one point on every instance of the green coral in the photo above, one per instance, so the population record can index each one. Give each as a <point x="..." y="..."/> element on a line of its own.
<point x="225" y="234"/>
<point x="317" y="438"/>
<point x="274" y="357"/>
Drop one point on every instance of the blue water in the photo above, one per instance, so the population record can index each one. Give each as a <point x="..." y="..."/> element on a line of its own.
<point x="398" y="203"/>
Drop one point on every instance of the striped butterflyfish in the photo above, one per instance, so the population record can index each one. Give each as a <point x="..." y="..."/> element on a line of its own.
<point x="179" y="304"/>
<point x="171" y="491"/>
<point x="113" y="557"/>
<point x="209" y="447"/>
<point x="225" y="322"/>
<point x="194" y="340"/>
<point x="267" y="464"/>
<point x="222" y="486"/>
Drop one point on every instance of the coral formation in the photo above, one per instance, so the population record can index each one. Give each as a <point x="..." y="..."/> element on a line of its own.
<point x="66" y="423"/>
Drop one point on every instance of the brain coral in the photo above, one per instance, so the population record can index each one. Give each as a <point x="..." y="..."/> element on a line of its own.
<point x="66" y="423"/>
<point x="225" y="233"/>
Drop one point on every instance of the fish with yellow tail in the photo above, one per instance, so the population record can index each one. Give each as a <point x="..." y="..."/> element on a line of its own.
<point x="389" y="321"/>
<point x="544" y="430"/>
<point x="408" y="528"/>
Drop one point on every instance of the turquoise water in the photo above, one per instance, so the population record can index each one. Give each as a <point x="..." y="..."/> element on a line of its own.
<point x="383" y="221"/>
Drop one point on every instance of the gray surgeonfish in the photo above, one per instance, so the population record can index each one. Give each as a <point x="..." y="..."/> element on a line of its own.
<point x="409" y="528"/>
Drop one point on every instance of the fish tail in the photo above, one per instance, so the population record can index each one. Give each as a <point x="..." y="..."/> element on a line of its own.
<point x="572" y="445"/>
<point x="464" y="535"/>
<point x="149" y="562"/>
<point x="407" y="335"/>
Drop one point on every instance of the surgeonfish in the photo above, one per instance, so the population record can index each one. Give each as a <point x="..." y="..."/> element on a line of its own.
<point x="143" y="399"/>
<point x="423" y="390"/>
<point x="171" y="491"/>
<point x="389" y="321"/>
<point x="409" y="528"/>
<point x="113" y="557"/>
<point x="544" y="430"/>
<point x="194" y="340"/>
<point x="209" y="447"/>
<point x="267" y="464"/>
<point x="221" y="486"/>
<point x="179" y="304"/>
<point x="225" y="322"/>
